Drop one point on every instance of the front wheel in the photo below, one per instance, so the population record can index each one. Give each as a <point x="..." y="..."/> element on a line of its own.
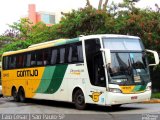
<point x="79" y="100"/>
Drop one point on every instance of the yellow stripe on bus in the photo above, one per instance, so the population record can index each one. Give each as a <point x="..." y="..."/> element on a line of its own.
<point x="29" y="78"/>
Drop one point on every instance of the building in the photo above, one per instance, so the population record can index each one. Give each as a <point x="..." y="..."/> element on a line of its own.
<point x="48" y="18"/>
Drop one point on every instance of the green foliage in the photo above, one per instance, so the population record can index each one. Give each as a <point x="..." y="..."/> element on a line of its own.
<point x="28" y="34"/>
<point x="15" y="46"/>
<point x="39" y="33"/>
<point x="24" y="26"/>
<point x="155" y="95"/>
<point x="83" y="22"/>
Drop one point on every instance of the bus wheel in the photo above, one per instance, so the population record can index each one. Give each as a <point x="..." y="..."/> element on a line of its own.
<point x="15" y="95"/>
<point x="79" y="100"/>
<point x="21" y="95"/>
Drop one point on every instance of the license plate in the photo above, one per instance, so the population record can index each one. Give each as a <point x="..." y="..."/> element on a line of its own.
<point x="134" y="97"/>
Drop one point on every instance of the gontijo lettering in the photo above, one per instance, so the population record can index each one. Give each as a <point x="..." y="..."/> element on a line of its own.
<point x="27" y="73"/>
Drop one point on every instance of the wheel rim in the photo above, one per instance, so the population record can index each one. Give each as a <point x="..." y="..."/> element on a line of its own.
<point x="80" y="99"/>
<point x="14" y="94"/>
<point x="22" y="96"/>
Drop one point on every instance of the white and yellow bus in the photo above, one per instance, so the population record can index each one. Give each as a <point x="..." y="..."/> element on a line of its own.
<point x="108" y="70"/>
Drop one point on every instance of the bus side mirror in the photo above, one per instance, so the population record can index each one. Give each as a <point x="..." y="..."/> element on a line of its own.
<point x="107" y="54"/>
<point x="156" y="57"/>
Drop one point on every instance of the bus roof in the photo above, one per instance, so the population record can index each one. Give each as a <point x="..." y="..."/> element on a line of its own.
<point x="43" y="45"/>
<point x="66" y="41"/>
<point x="109" y="36"/>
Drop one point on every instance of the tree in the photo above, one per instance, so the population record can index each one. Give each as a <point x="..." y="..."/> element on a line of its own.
<point x="11" y="33"/>
<point x="8" y="37"/>
<point x="105" y="5"/>
<point x="88" y="3"/>
<point x="83" y="22"/>
<point x="23" y="27"/>
<point x="99" y="5"/>
<point x="158" y="8"/>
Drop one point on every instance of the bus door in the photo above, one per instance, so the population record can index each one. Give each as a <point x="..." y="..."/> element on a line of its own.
<point x="96" y="71"/>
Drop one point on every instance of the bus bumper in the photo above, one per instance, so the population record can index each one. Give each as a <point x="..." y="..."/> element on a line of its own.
<point x="120" y="98"/>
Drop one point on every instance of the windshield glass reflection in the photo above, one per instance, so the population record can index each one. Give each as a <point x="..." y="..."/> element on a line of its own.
<point x="128" y="68"/>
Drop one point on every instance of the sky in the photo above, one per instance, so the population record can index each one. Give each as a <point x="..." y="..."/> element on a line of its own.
<point x="12" y="10"/>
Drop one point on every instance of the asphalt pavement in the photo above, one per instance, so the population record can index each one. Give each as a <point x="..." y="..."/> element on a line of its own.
<point x="52" y="110"/>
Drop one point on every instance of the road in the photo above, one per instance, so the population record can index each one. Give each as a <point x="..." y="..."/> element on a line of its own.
<point x="44" y="109"/>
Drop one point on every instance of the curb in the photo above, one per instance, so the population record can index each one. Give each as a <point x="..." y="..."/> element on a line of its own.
<point x="152" y="101"/>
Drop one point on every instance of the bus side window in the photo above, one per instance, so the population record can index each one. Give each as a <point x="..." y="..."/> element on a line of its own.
<point x="24" y="60"/>
<point x="46" y="56"/>
<point x="54" y="56"/>
<point x="5" y="63"/>
<point x="80" y="53"/>
<point x="20" y="61"/>
<point x="75" y="53"/>
<point x="62" y="55"/>
<point x="70" y="55"/>
<point x="12" y="62"/>
<point x="28" y="63"/>
<point x="39" y="58"/>
<point x="33" y="59"/>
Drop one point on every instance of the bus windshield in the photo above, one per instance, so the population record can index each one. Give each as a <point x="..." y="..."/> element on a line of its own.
<point x="128" y="68"/>
<point x="128" y="62"/>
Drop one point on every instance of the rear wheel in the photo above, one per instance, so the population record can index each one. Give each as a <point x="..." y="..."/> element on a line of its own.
<point x="79" y="100"/>
<point x="21" y="94"/>
<point x="15" y="95"/>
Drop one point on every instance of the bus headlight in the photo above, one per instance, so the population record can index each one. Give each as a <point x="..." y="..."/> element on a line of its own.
<point x="115" y="90"/>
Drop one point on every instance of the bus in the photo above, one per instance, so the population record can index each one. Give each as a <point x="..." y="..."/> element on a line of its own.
<point x="0" y="80"/>
<point x="105" y="69"/>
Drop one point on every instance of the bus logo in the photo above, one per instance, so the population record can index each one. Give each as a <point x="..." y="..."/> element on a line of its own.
<point x="6" y="75"/>
<point x="95" y="96"/>
<point x="27" y="73"/>
<point x="76" y="72"/>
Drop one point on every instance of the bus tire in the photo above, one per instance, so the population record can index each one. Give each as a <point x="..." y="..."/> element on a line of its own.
<point x="79" y="100"/>
<point x="15" y="94"/>
<point x="21" y="94"/>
